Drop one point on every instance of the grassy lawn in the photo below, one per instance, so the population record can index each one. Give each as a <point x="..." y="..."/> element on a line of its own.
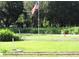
<point x="48" y="37"/>
<point x="42" y="46"/>
<point x="43" y="43"/>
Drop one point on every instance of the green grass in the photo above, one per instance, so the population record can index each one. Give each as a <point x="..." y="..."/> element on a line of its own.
<point x="51" y="46"/>
<point x="48" y="37"/>
<point x="42" y="46"/>
<point x="43" y="43"/>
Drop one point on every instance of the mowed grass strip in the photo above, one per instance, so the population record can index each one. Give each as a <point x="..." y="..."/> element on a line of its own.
<point x="42" y="46"/>
<point x="48" y="37"/>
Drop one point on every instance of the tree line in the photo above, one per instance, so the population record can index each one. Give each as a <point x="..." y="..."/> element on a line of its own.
<point x="51" y="13"/>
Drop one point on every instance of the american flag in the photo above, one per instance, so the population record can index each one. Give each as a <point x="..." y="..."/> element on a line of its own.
<point x="36" y="7"/>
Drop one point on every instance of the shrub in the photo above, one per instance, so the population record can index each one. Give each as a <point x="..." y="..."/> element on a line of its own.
<point x="75" y="30"/>
<point x="48" y="30"/>
<point x="56" y="30"/>
<point x="35" y="30"/>
<point x="7" y="35"/>
<point x="71" y="30"/>
<point x="65" y="31"/>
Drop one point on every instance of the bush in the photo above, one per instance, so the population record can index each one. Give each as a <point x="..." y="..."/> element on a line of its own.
<point x="65" y="31"/>
<point x="48" y="30"/>
<point x="56" y="30"/>
<point x="71" y="30"/>
<point x="7" y="35"/>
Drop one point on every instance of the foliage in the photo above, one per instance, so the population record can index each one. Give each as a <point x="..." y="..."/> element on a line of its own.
<point x="10" y="11"/>
<point x="71" y="30"/>
<point x="20" y="21"/>
<point x="8" y="35"/>
<point x="21" y="18"/>
<point x="47" y="30"/>
<point x="64" y="13"/>
<point x="45" y="23"/>
<point x="4" y="51"/>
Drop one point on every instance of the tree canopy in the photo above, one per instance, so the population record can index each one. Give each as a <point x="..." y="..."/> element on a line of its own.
<point x="54" y="13"/>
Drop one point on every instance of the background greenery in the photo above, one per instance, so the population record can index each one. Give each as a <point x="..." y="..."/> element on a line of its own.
<point x="48" y="30"/>
<point x="51" y="13"/>
<point x="8" y="35"/>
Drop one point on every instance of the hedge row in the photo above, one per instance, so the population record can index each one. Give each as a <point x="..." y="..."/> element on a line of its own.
<point x="35" y="30"/>
<point x="54" y="30"/>
<point x="71" y="30"/>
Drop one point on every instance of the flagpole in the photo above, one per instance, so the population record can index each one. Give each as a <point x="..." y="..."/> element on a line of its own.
<point x="36" y="7"/>
<point x="38" y="17"/>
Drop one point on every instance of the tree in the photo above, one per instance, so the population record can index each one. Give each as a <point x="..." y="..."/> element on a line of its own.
<point x="20" y="21"/>
<point x="64" y="13"/>
<point x="10" y="11"/>
<point x="14" y="9"/>
<point x="28" y="5"/>
<point x="43" y="12"/>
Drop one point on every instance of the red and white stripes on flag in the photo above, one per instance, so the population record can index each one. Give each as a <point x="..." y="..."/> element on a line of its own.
<point x="36" y="7"/>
